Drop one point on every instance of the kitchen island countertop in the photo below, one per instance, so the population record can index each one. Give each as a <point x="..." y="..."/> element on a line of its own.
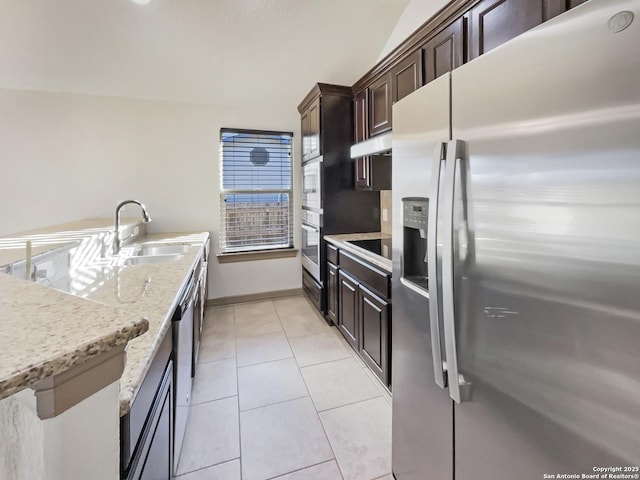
<point x="47" y="331"/>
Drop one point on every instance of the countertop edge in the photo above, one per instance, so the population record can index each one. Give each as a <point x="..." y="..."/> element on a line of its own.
<point x="32" y="374"/>
<point x="129" y="394"/>
<point x="377" y="260"/>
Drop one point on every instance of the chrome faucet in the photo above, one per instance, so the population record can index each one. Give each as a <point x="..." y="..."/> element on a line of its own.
<point x="145" y="218"/>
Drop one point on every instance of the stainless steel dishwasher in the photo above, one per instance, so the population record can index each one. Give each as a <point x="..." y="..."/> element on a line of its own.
<point x="182" y="356"/>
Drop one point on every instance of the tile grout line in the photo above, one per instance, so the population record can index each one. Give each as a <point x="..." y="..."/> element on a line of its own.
<point x="322" y="363"/>
<point x="294" y="357"/>
<point x="315" y="408"/>
<point x="275" y="403"/>
<point x="304" y="468"/>
<point x="213" y="400"/>
<point x="202" y="403"/>
<point x="235" y="342"/>
<point x="262" y="363"/>
<point x="177" y="477"/>
<point x="349" y="404"/>
<point x="363" y="366"/>
<point x="324" y="431"/>
<point x="329" y="361"/>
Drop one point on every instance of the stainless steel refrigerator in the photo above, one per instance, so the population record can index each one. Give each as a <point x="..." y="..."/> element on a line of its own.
<point x="518" y="352"/>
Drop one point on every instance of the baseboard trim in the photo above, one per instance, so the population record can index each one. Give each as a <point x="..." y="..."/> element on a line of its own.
<point x="253" y="297"/>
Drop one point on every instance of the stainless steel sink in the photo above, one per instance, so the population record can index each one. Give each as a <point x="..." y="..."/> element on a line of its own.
<point x="151" y="259"/>
<point x="153" y="250"/>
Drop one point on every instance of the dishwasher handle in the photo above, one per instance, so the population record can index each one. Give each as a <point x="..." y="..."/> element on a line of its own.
<point x="188" y="296"/>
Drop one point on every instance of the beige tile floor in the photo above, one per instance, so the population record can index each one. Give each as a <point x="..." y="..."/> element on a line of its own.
<point x="280" y="395"/>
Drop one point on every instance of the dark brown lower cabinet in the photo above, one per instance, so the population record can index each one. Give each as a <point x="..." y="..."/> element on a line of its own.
<point x="348" y="306"/>
<point x="158" y="464"/>
<point x="153" y="456"/>
<point x="364" y="311"/>
<point x="374" y="316"/>
<point x="144" y="427"/>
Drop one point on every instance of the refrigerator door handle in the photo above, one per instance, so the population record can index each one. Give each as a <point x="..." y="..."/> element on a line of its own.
<point x="432" y="265"/>
<point x="459" y="389"/>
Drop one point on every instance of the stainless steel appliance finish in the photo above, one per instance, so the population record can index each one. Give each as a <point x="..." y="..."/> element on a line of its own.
<point x="200" y="311"/>
<point x="538" y="260"/>
<point x="422" y="443"/>
<point x="312" y="185"/>
<point x="183" y="321"/>
<point x="311" y="224"/>
<point x="373" y="146"/>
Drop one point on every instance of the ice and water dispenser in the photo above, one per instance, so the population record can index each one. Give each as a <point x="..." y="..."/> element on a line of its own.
<point x="414" y="249"/>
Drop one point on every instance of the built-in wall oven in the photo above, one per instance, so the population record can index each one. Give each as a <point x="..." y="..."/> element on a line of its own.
<point x="311" y="224"/>
<point x="312" y="185"/>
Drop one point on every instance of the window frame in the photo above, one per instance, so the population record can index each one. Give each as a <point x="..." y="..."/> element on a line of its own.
<point x="258" y="251"/>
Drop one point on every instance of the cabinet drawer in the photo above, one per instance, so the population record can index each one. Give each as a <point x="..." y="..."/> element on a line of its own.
<point x="332" y="254"/>
<point x="376" y="279"/>
<point x="312" y="289"/>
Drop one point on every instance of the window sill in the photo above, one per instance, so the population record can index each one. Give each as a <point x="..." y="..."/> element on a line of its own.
<point x="260" y="255"/>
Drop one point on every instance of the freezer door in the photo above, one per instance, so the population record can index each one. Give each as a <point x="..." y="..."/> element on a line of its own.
<point x="422" y="446"/>
<point x="546" y="250"/>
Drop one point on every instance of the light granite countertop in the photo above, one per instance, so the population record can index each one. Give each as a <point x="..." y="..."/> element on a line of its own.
<point x="341" y="241"/>
<point x="46" y="332"/>
<point x="43" y="240"/>
<point x="151" y="291"/>
<point x="117" y="301"/>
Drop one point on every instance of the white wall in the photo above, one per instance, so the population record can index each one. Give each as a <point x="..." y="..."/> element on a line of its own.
<point x="75" y="444"/>
<point x="65" y="157"/>
<point x="413" y="16"/>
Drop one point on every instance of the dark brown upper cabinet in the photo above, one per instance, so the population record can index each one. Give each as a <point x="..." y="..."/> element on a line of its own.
<point x="444" y="51"/>
<point x="360" y="120"/>
<point x="406" y="76"/>
<point x="325" y="125"/>
<point x="310" y="130"/>
<point x="372" y="173"/>
<point x="380" y="105"/>
<point x="362" y="173"/>
<point x="493" y="22"/>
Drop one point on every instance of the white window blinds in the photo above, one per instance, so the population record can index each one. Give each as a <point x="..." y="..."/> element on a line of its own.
<point x="256" y="195"/>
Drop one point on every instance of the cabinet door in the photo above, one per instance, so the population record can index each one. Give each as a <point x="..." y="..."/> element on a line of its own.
<point x="444" y="52"/>
<point x="493" y="22"/>
<point x="158" y="464"/>
<point x="314" y="129"/>
<point x="360" y="116"/>
<point x="374" y="318"/>
<point x="348" y="307"/>
<point x="304" y="133"/>
<point x="406" y="76"/>
<point x="380" y="105"/>
<point x="332" y="292"/>
<point x="362" y="174"/>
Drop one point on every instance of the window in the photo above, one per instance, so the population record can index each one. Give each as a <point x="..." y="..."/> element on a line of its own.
<point x="256" y="195"/>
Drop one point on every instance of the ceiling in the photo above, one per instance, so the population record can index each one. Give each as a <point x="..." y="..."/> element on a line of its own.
<point x="232" y="53"/>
